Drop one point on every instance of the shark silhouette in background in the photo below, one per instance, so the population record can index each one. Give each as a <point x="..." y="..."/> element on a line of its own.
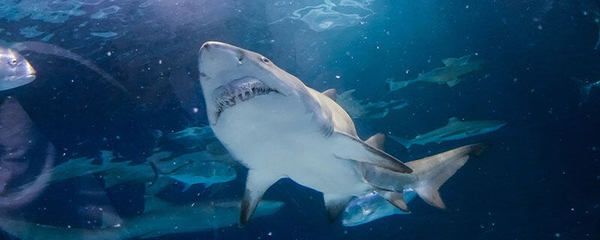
<point x="450" y="74"/>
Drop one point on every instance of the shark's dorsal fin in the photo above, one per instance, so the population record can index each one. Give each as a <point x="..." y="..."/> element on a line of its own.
<point x="449" y="61"/>
<point x="395" y="198"/>
<point x="335" y="204"/>
<point x="257" y="184"/>
<point x="376" y="141"/>
<point x="453" y="120"/>
<point x="331" y="93"/>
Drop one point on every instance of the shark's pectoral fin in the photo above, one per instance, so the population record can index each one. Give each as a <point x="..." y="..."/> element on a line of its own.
<point x="395" y="198"/>
<point x="351" y="148"/>
<point x="257" y="184"/>
<point x="331" y="93"/>
<point x="335" y="204"/>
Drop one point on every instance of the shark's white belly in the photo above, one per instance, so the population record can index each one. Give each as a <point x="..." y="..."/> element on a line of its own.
<point x="275" y="135"/>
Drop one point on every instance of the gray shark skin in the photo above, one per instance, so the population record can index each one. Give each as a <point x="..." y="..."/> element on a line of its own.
<point x="278" y="127"/>
<point x="15" y="70"/>
<point x="159" y="218"/>
<point x="454" y="130"/>
<point x="450" y="74"/>
<point x="370" y="207"/>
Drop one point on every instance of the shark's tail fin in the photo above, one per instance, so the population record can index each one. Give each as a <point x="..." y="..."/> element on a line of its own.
<point x="435" y="170"/>
<point x="403" y="141"/>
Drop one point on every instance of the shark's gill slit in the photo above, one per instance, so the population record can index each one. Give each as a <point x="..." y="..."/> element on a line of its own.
<point x="239" y="90"/>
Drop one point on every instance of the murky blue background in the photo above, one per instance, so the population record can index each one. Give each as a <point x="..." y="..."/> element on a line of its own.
<point x="539" y="179"/>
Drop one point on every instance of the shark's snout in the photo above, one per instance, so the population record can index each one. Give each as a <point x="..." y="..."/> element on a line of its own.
<point x="212" y="48"/>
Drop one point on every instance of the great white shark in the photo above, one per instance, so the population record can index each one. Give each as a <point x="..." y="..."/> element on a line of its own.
<point x="277" y="127"/>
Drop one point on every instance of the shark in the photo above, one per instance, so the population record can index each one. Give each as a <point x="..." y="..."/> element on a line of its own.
<point x="157" y="172"/>
<point x="450" y="74"/>
<point x="358" y="108"/>
<point x="16" y="71"/>
<point x="160" y="218"/>
<point x="455" y="129"/>
<point x="277" y="127"/>
<point x="370" y="207"/>
<point x="199" y="172"/>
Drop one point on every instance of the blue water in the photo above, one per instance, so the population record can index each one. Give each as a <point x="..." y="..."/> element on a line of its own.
<point x="539" y="177"/>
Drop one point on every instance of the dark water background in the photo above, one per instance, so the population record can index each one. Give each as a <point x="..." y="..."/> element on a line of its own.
<point x="539" y="178"/>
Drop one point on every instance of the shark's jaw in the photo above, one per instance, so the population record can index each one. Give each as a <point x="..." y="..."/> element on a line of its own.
<point x="238" y="91"/>
<point x="230" y="75"/>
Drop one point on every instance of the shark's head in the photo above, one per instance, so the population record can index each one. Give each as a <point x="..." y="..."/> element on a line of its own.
<point x="230" y="75"/>
<point x="15" y="70"/>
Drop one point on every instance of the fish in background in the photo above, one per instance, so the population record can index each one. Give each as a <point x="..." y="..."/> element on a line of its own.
<point x="193" y="137"/>
<point x="278" y="127"/>
<point x="358" y="108"/>
<point x="455" y="129"/>
<point x="16" y="71"/>
<point x="198" y="172"/>
<point x="208" y="165"/>
<point x="450" y="74"/>
<point x="370" y="207"/>
<point x="206" y="171"/>
<point x="26" y="157"/>
<point x="159" y="218"/>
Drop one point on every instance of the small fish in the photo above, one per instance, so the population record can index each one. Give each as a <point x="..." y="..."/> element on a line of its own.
<point x="454" y="130"/>
<point x="371" y="207"/>
<point x="15" y="70"/>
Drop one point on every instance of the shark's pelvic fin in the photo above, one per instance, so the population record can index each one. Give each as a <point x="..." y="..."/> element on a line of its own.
<point x="363" y="152"/>
<point x="434" y="171"/>
<point x="257" y="184"/>
<point x="335" y="204"/>
<point x="331" y="93"/>
<point x="376" y="141"/>
<point x="395" y="198"/>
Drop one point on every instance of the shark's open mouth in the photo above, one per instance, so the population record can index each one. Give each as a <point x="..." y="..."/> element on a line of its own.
<point x="237" y="91"/>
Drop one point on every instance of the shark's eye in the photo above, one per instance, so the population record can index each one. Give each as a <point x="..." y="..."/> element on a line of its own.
<point x="265" y="60"/>
<point x="13" y="62"/>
